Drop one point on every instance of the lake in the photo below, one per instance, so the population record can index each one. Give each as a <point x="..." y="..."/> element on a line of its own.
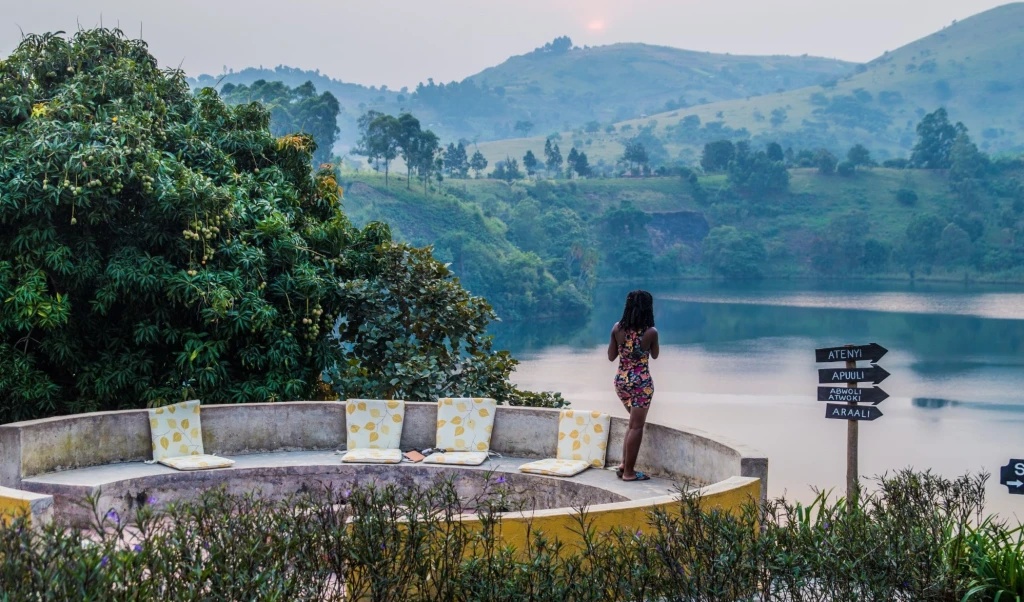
<point x="737" y="360"/>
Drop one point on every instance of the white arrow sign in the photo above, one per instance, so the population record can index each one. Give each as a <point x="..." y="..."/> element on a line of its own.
<point x="1015" y="483"/>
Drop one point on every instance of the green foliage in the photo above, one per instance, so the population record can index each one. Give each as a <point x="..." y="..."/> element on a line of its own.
<point x="859" y="156"/>
<point x="293" y="110"/>
<point x="906" y="196"/>
<point x="636" y="154"/>
<point x="732" y="253"/>
<point x="478" y="163"/>
<point x="754" y="172"/>
<point x="826" y="162"/>
<point x="717" y="156"/>
<point x="530" y="162"/>
<point x="915" y="538"/>
<point x="936" y="137"/>
<point x="507" y="170"/>
<point x="846" y="169"/>
<point x="156" y="245"/>
<point x="552" y="157"/>
<point x="922" y="236"/>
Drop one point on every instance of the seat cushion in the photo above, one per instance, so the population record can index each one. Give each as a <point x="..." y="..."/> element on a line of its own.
<point x="464" y="424"/>
<point x="553" y="467"/>
<point x="373" y="456"/>
<point x="459" y="458"/>
<point x="176" y="430"/>
<point x="583" y="436"/>
<point x="198" y="462"/>
<point x="374" y="423"/>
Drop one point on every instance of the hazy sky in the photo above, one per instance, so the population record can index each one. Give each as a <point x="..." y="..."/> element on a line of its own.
<point x="402" y="42"/>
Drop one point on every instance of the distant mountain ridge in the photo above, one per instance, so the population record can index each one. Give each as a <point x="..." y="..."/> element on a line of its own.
<point x="558" y="85"/>
<point x="974" y="68"/>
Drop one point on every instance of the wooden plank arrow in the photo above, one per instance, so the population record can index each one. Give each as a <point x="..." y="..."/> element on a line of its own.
<point x="840" y="411"/>
<point x="852" y="394"/>
<point x="857" y="353"/>
<point x="874" y="374"/>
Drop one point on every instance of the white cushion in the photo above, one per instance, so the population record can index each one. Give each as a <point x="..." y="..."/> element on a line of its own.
<point x="459" y="458"/>
<point x="373" y="456"/>
<point x="202" y="462"/>
<point x="583" y="436"/>
<point x="374" y="423"/>
<point x="558" y="468"/>
<point x="465" y="424"/>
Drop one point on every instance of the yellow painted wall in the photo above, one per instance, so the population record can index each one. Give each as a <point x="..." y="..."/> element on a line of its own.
<point x="563" y="524"/>
<point x="11" y="507"/>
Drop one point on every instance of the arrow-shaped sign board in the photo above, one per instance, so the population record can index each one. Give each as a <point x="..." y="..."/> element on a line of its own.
<point x="852" y="394"/>
<point x="874" y="374"/>
<point x="1012" y="475"/>
<point x="846" y="412"/>
<point x="855" y="353"/>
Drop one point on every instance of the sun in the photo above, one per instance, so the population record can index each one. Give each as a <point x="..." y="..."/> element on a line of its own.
<point x="596" y="26"/>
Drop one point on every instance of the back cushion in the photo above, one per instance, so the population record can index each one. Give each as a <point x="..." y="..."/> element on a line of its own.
<point x="374" y="423"/>
<point x="583" y="436"/>
<point x="176" y="430"/>
<point x="465" y="424"/>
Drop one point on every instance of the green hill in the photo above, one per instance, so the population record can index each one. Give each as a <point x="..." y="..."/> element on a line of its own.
<point x="558" y="85"/>
<point x="974" y="68"/>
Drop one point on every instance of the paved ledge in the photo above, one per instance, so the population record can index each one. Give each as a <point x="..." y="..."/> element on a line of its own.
<point x="16" y="503"/>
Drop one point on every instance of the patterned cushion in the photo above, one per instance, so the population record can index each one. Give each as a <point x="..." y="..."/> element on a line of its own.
<point x="465" y="424"/>
<point x="583" y="436"/>
<point x="201" y="462"/>
<point x="176" y="430"/>
<point x="373" y="456"/>
<point x="558" y="468"/>
<point x="460" y="458"/>
<point x="374" y="423"/>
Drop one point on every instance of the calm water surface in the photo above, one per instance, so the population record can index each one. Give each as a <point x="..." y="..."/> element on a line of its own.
<point x="737" y="360"/>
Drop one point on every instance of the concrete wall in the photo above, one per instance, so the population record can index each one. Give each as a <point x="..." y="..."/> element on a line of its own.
<point x="53" y="444"/>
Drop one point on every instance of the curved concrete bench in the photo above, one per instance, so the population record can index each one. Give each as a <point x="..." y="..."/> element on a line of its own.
<point x="284" y="448"/>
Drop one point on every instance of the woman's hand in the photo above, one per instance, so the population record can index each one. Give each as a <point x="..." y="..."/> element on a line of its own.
<point x="613" y="345"/>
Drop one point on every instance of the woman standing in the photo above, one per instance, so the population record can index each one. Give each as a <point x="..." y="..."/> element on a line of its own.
<point x="634" y="341"/>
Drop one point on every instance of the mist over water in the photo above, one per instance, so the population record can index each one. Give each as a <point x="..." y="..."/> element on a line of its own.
<point x="737" y="360"/>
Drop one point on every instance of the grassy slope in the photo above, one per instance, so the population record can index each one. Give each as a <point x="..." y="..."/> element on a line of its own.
<point x="787" y="223"/>
<point x="598" y="81"/>
<point x="969" y="56"/>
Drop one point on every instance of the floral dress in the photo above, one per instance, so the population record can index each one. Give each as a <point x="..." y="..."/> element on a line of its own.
<point x="633" y="382"/>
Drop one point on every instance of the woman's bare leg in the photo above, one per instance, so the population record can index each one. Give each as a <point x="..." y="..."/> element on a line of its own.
<point x="622" y="464"/>
<point x="631" y="445"/>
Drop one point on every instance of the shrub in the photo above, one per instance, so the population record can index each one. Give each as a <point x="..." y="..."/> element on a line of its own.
<point x="915" y="538"/>
<point x="906" y="196"/>
<point x="846" y="169"/>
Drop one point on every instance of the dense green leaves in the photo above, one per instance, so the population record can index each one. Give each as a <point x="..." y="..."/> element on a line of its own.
<point x="156" y="245"/>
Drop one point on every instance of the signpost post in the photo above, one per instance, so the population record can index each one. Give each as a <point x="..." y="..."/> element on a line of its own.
<point x="1012" y="475"/>
<point x="852" y="395"/>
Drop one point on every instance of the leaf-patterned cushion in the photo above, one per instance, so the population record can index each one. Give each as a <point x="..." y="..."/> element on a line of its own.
<point x="553" y="467"/>
<point x="583" y="436"/>
<point x="176" y="430"/>
<point x="374" y="423"/>
<point x="373" y="456"/>
<point x="197" y="462"/>
<point x="458" y="458"/>
<point x="465" y="424"/>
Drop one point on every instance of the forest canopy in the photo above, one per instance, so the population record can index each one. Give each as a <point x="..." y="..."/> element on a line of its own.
<point x="157" y="245"/>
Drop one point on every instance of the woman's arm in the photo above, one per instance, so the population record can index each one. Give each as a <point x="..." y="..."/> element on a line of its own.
<point x="613" y="345"/>
<point x="651" y="337"/>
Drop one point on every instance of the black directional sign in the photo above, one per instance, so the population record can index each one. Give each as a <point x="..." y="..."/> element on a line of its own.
<point x="1012" y="475"/>
<point x="846" y="412"/>
<point x="859" y="353"/>
<point x="852" y="394"/>
<point x="874" y="374"/>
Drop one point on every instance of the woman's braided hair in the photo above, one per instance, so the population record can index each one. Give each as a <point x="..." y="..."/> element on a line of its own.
<point x="639" y="311"/>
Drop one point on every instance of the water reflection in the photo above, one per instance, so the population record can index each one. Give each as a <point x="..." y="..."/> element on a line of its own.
<point x="737" y="360"/>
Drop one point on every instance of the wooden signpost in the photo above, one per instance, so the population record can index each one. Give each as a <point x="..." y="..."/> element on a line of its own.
<point x="845" y="400"/>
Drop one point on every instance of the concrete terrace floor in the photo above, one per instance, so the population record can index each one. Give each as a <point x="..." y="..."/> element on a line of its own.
<point x="110" y="474"/>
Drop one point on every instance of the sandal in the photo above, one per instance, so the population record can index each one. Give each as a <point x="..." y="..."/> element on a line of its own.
<point x="639" y="477"/>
